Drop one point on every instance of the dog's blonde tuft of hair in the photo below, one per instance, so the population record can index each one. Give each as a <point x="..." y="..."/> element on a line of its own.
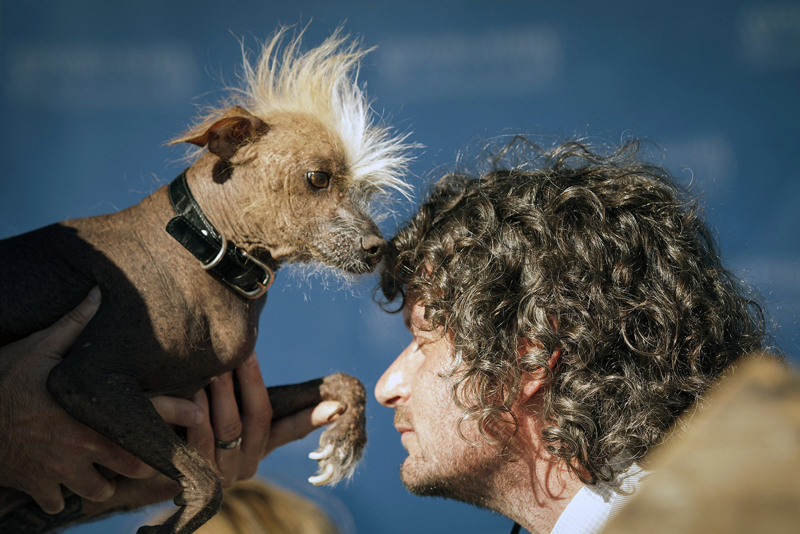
<point x="323" y="82"/>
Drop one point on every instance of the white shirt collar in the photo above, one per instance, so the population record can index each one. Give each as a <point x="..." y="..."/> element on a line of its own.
<point x="592" y="507"/>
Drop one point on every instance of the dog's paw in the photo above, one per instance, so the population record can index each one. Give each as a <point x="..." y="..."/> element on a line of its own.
<point x="343" y="441"/>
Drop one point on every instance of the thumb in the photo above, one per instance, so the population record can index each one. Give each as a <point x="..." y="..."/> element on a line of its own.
<point x="299" y="425"/>
<point x="60" y="336"/>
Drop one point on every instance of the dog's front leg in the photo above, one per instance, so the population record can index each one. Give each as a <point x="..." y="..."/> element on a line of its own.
<point x="114" y="405"/>
<point x="343" y="441"/>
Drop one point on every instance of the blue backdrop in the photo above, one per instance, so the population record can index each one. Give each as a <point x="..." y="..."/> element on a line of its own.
<point x="90" y="91"/>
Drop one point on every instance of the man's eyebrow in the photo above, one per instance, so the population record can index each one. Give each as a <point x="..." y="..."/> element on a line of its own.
<point x="424" y="331"/>
<point x="413" y="328"/>
<point x="407" y="320"/>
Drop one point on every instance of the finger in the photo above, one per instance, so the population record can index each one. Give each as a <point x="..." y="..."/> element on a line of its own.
<point x="256" y="416"/>
<point x="61" y="335"/>
<point x="49" y="499"/>
<point x="176" y="411"/>
<point x="121" y="461"/>
<point x="326" y="412"/>
<point x="201" y="437"/>
<point x="99" y="450"/>
<point x="90" y="484"/>
<point x="299" y="425"/>
<point x="132" y="494"/>
<point x="227" y="425"/>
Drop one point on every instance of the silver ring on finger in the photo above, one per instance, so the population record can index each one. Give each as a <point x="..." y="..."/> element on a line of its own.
<point x="228" y="445"/>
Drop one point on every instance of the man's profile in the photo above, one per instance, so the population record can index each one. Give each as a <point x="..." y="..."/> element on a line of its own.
<point x="565" y="311"/>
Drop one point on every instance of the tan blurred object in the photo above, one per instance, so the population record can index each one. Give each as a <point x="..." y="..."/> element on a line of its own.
<point x="737" y="468"/>
<point x="255" y="507"/>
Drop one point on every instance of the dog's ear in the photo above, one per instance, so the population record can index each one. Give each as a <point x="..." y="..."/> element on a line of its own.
<point x="224" y="135"/>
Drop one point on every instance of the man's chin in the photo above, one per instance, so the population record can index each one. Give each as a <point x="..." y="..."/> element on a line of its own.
<point x="427" y="487"/>
<point x="459" y="487"/>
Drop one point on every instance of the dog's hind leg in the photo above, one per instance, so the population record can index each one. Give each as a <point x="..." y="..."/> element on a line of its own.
<point x="114" y="406"/>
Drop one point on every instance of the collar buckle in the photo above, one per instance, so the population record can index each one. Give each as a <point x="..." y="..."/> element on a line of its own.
<point x="241" y="271"/>
<point x="263" y="285"/>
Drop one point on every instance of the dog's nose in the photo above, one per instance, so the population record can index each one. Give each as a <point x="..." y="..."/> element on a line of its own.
<point x="374" y="248"/>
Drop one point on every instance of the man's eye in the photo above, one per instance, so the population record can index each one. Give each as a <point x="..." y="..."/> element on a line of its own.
<point x="318" y="179"/>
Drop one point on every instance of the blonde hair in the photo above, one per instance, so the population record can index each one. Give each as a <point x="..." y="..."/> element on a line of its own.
<point x="323" y="82"/>
<point x="256" y="507"/>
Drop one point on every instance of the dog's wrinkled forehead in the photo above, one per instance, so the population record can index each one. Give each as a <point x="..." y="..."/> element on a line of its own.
<point x="302" y="195"/>
<point x="297" y="171"/>
<point x="300" y="143"/>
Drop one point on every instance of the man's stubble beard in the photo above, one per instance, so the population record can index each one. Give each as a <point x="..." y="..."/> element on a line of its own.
<point x="470" y="478"/>
<point x="475" y="486"/>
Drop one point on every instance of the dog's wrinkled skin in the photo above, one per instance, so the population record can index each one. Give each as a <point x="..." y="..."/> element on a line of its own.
<point x="287" y="181"/>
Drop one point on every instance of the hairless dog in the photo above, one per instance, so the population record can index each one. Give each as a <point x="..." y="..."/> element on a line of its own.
<point x="285" y="172"/>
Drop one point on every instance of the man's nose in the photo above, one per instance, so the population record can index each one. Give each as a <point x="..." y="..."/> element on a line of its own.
<point x="393" y="389"/>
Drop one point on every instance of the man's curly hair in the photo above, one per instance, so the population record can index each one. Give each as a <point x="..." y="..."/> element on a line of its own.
<point x="592" y="252"/>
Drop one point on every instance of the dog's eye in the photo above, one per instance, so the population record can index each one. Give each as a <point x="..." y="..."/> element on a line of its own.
<point x="318" y="179"/>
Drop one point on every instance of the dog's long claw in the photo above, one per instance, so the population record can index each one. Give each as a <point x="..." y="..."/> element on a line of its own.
<point x="322" y="478"/>
<point x="324" y="453"/>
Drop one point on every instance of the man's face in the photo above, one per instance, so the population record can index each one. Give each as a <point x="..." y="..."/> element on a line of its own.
<point x="440" y="462"/>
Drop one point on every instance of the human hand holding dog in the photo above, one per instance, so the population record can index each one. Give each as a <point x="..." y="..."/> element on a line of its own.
<point x="260" y="436"/>
<point x="43" y="448"/>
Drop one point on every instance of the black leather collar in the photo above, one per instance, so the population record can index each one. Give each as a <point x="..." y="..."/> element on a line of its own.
<point x="245" y="274"/>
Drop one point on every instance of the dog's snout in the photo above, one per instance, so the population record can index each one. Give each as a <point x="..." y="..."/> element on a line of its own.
<point x="374" y="247"/>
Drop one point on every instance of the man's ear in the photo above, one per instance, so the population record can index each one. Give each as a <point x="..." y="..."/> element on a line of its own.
<point x="224" y="135"/>
<point x="532" y="382"/>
